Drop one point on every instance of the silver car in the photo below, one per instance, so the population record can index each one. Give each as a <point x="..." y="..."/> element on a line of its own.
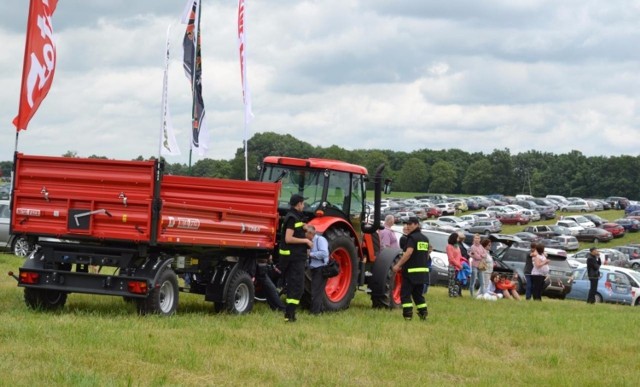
<point x="19" y="245"/>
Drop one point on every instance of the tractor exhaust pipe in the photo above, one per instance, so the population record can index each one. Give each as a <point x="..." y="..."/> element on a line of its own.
<point x="377" y="199"/>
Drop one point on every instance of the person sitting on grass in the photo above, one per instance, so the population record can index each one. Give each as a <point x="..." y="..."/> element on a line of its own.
<point x="505" y="286"/>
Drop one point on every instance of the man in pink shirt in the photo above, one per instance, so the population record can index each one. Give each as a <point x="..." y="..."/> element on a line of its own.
<point x="388" y="238"/>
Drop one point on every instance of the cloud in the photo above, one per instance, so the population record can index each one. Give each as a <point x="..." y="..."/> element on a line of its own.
<point x="531" y="74"/>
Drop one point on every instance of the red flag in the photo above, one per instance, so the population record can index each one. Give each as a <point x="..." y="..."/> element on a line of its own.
<point x="39" y="60"/>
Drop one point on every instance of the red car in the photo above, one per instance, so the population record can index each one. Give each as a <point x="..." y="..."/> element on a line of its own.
<point x="512" y="218"/>
<point x="615" y="229"/>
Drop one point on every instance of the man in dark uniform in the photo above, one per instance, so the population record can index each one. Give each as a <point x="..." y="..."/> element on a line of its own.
<point x="293" y="255"/>
<point x="593" y="271"/>
<point x="415" y="272"/>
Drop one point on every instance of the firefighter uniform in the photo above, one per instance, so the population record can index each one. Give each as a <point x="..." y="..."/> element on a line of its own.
<point x="415" y="274"/>
<point x="293" y="258"/>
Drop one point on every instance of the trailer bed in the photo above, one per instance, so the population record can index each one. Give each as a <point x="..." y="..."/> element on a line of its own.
<point x="131" y="201"/>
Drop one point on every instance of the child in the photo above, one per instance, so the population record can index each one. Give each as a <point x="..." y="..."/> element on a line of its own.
<point x="507" y="287"/>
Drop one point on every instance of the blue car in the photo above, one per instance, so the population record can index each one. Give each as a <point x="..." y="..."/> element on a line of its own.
<point x="613" y="287"/>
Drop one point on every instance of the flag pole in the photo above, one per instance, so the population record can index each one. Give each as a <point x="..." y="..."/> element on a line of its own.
<point x="194" y="117"/>
<point x="163" y="114"/>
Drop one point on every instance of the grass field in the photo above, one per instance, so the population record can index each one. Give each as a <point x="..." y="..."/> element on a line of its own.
<point x="100" y="341"/>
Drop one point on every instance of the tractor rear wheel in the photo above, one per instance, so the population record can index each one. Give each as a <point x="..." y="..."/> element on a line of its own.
<point x="340" y="290"/>
<point x="384" y="282"/>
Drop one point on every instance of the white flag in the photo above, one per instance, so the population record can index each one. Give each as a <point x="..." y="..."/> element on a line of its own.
<point x="168" y="143"/>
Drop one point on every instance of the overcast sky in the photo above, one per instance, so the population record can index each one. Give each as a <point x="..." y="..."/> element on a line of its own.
<point x="402" y="75"/>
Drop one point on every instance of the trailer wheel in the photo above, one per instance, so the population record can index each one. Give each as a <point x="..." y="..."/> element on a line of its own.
<point x="40" y="299"/>
<point x="384" y="283"/>
<point x="163" y="299"/>
<point x="240" y="295"/>
<point x="341" y="289"/>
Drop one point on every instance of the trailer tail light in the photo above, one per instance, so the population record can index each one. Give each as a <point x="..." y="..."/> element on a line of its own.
<point x="29" y="277"/>
<point x="138" y="287"/>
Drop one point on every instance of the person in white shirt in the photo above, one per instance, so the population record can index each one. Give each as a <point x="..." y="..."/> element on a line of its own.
<point x="318" y="257"/>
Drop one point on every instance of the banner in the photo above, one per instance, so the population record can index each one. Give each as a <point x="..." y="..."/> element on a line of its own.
<point x="39" y="61"/>
<point x="193" y="71"/>
<point x="168" y="143"/>
<point x="246" y="93"/>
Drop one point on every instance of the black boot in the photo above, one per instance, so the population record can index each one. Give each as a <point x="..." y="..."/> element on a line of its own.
<point x="290" y="313"/>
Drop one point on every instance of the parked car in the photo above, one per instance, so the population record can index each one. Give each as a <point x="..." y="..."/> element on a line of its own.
<point x="609" y="257"/>
<point x="568" y="242"/>
<point x="512" y="218"/>
<point x="533" y="215"/>
<point x="19" y="245"/>
<point x="541" y="231"/>
<point x="630" y="225"/>
<point x="453" y="221"/>
<point x="559" y="282"/>
<point x="595" y="219"/>
<point x="486" y="227"/>
<point x="528" y="236"/>
<point x="447" y="208"/>
<point x="633" y="252"/>
<point x="439" y="273"/>
<point x="545" y="211"/>
<point x="576" y="206"/>
<point x="581" y="220"/>
<point x="574" y="227"/>
<point x="470" y="219"/>
<point x="483" y="215"/>
<point x="613" y="287"/>
<point x="483" y="202"/>
<point x="615" y="229"/>
<point x="594" y="235"/>
<point x="551" y="243"/>
<point x="634" y="280"/>
<point x="560" y="230"/>
<point x="618" y="202"/>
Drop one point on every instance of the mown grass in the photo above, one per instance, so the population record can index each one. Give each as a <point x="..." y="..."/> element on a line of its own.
<point x="101" y="341"/>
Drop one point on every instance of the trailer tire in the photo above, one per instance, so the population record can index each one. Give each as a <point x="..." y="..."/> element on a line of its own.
<point x="163" y="299"/>
<point x="384" y="282"/>
<point x="240" y="295"/>
<point x="40" y="299"/>
<point x="340" y="290"/>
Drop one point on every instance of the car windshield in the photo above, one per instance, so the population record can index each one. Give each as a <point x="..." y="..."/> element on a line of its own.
<point x="437" y="240"/>
<point x="580" y="219"/>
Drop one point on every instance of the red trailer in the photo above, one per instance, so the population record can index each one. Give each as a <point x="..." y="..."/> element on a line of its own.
<point x="144" y="230"/>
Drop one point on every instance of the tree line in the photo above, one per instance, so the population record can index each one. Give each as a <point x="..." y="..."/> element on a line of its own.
<point x="451" y="171"/>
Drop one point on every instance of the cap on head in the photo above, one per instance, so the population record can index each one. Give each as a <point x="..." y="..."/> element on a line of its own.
<point x="296" y="199"/>
<point x="411" y="220"/>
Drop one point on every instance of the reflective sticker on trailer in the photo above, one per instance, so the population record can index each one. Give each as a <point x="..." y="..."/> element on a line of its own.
<point x="124" y="218"/>
<point x="185" y="223"/>
<point x="249" y="228"/>
<point x="28" y="211"/>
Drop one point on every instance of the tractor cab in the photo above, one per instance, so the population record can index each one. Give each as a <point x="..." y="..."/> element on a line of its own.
<point x="331" y="188"/>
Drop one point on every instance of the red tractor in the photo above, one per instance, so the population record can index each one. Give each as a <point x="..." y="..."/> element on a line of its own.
<point x="336" y="206"/>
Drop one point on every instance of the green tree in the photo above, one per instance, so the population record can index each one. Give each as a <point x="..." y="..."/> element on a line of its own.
<point x="443" y="177"/>
<point x="412" y="177"/>
<point x="477" y="179"/>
